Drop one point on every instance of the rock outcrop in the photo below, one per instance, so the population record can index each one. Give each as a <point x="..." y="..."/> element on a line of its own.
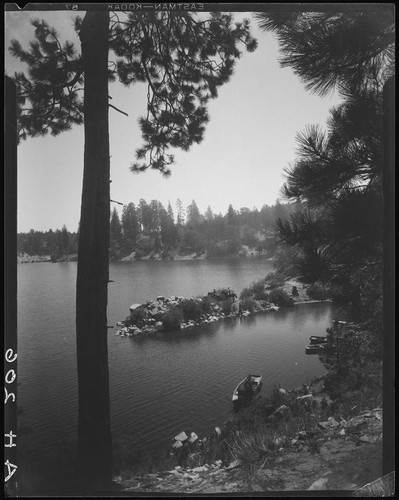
<point x="173" y="313"/>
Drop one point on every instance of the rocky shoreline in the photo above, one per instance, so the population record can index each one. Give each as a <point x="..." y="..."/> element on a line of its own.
<point x="329" y="455"/>
<point x="180" y="313"/>
<point x="24" y="258"/>
<point x="152" y="312"/>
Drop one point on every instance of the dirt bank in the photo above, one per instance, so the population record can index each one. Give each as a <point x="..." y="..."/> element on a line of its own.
<point x="345" y="456"/>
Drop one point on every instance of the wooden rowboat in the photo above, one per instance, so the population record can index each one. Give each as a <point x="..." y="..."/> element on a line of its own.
<point x="314" y="348"/>
<point x="247" y="388"/>
<point x="315" y="339"/>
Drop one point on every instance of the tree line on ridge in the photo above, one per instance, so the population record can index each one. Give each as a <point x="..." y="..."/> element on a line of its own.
<point x="149" y="229"/>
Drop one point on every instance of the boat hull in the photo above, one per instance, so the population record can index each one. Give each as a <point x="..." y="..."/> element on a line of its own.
<point x="314" y="348"/>
<point x="317" y="340"/>
<point x="247" y="388"/>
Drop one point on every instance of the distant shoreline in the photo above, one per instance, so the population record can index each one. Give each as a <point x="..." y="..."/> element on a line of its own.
<point x="34" y="259"/>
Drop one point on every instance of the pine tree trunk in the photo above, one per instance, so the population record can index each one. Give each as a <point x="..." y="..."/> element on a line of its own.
<point x="94" y="432"/>
<point x="10" y="282"/>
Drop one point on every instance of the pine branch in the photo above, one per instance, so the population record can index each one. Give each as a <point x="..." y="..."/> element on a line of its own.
<point x="117" y="109"/>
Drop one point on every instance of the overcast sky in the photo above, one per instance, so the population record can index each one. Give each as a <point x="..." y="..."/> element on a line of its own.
<point x="248" y="142"/>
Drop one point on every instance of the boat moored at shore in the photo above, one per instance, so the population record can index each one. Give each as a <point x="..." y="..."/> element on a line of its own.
<point x="247" y="388"/>
<point x="314" y="348"/>
<point x="316" y="339"/>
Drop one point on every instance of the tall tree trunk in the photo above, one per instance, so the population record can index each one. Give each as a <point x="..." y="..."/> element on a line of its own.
<point x="94" y="431"/>
<point x="389" y="277"/>
<point x="10" y="282"/>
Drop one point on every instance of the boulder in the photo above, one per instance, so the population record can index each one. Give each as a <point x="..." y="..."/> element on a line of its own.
<point x="370" y="438"/>
<point x="329" y="424"/>
<point x="193" y="437"/>
<point x="281" y="412"/>
<point x="181" y="437"/>
<point x="320" y="484"/>
<point x="234" y="464"/>
<point x="133" y="307"/>
<point x="356" y="424"/>
<point x="307" y="397"/>
<point x="202" y="468"/>
<point x="159" y="325"/>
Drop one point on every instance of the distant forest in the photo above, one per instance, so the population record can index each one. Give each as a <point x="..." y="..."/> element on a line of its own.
<point x="149" y="230"/>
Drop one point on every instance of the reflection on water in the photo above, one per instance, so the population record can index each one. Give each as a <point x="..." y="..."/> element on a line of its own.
<point x="165" y="383"/>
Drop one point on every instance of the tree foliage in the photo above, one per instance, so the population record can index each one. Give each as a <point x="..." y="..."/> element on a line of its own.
<point x="335" y="238"/>
<point x="345" y="50"/>
<point x="215" y="235"/>
<point x="182" y="60"/>
<point x="49" y="99"/>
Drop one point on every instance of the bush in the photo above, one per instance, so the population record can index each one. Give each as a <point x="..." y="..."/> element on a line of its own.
<point x="226" y="307"/>
<point x="138" y="254"/>
<point x="274" y="281"/>
<point x="279" y="297"/>
<point x="259" y="292"/>
<point x="138" y="316"/>
<point x="206" y="305"/>
<point x="248" y="305"/>
<point x="246" y="294"/>
<point x="256" y="290"/>
<point x="190" y="309"/>
<point x="146" y="245"/>
<point x="262" y="296"/>
<point x="317" y="292"/>
<point x="172" y="319"/>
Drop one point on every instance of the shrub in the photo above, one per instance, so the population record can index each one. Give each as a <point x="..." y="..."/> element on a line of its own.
<point x="248" y="304"/>
<point x="279" y="297"/>
<point x="256" y="290"/>
<point x="172" y="319"/>
<point x="246" y="294"/>
<point x="206" y="305"/>
<point x="259" y="292"/>
<point x="262" y="296"/>
<point x="274" y="281"/>
<point x="138" y="316"/>
<point x="191" y="309"/>
<point x="145" y="245"/>
<point x="226" y="307"/>
<point x="138" y="254"/>
<point x="317" y="292"/>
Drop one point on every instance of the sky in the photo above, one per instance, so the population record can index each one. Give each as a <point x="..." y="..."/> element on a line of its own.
<point x="248" y="141"/>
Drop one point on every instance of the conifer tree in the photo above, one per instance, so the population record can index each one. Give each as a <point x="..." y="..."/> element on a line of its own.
<point x="130" y="225"/>
<point x="180" y="212"/>
<point x="184" y="61"/>
<point x="336" y="238"/>
<point x="115" y="228"/>
<point x="170" y="212"/>
<point x="193" y="214"/>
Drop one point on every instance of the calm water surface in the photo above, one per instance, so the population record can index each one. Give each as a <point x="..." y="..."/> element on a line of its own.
<point x="166" y="383"/>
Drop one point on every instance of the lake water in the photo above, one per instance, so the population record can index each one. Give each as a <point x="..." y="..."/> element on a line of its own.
<point x="162" y="384"/>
